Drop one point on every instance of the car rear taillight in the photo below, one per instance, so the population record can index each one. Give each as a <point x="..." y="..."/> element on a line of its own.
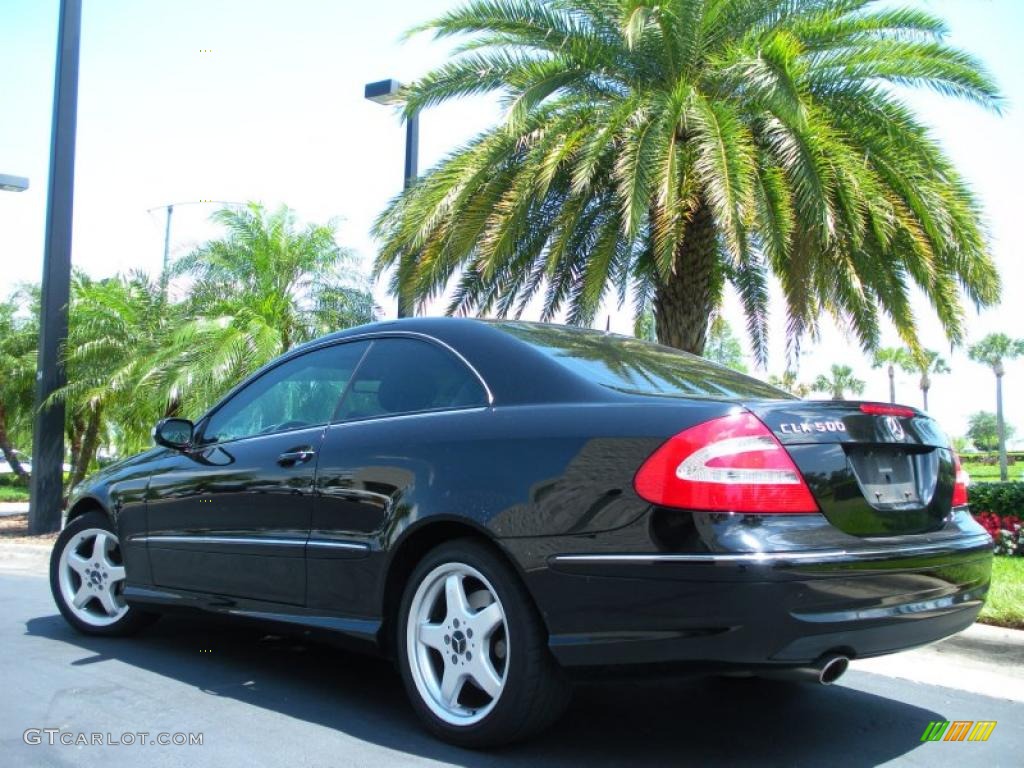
<point x="728" y="464"/>
<point x="960" y="483"/>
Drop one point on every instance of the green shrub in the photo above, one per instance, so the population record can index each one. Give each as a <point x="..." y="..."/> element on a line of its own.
<point x="998" y="498"/>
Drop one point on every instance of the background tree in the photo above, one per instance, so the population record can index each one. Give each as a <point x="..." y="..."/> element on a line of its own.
<point x="116" y="327"/>
<point x="962" y="444"/>
<point x="839" y="382"/>
<point x="927" y="362"/>
<point x="19" y="338"/>
<point x="983" y="430"/>
<point x="643" y="326"/>
<point x="723" y="346"/>
<point x="788" y="381"/>
<point x="255" y="293"/>
<point x="668" y="148"/>
<point x="893" y="358"/>
<point x="992" y="351"/>
<point x="133" y="356"/>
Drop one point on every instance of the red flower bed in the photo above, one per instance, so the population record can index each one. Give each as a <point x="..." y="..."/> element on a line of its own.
<point x="1007" y="532"/>
<point x="993" y="523"/>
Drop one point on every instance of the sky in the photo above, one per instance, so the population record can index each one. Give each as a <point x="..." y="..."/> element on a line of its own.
<point x="182" y="101"/>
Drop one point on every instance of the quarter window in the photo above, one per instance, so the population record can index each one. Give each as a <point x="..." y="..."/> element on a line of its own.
<point x="407" y="376"/>
<point x="302" y="392"/>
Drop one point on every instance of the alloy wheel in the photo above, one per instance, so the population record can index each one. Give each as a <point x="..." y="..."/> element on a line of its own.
<point x="458" y="643"/>
<point x="91" y="577"/>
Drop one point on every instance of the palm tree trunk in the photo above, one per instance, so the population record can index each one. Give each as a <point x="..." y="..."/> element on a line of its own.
<point x="892" y="384"/>
<point x="926" y="384"/>
<point x="90" y="442"/>
<point x="683" y="305"/>
<point x="1001" y="425"/>
<point x="8" y="450"/>
<point x="75" y="439"/>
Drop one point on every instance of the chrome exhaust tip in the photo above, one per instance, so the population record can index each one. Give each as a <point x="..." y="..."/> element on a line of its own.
<point x="831" y="668"/>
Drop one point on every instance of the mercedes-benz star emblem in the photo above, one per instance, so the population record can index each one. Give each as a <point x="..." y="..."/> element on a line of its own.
<point x="895" y="428"/>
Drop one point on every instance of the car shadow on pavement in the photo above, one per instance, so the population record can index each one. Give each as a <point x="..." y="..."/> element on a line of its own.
<point x="748" y="722"/>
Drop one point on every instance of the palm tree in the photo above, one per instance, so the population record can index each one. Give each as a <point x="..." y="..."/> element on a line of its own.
<point x="927" y="362"/>
<point x="840" y="380"/>
<point x="266" y="286"/>
<point x="992" y="351"/>
<point x="892" y="357"/>
<point x="19" y="336"/>
<point x="788" y="382"/>
<point x="116" y="328"/>
<point x="666" y="148"/>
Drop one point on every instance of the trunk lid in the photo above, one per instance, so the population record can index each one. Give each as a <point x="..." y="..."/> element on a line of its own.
<point x="874" y="469"/>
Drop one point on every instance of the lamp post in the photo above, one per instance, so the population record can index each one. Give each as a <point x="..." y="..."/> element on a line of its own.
<point x="46" y="495"/>
<point x="387" y="92"/>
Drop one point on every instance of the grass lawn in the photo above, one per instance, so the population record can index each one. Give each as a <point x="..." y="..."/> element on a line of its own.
<point x="989" y="473"/>
<point x="1005" y="604"/>
<point x="13" y="493"/>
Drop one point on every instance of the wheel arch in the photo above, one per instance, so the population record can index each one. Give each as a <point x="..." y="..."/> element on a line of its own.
<point x="413" y="545"/>
<point x="84" y="505"/>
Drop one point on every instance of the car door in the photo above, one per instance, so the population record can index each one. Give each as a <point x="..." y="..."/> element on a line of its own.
<point x="391" y="429"/>
<point x="232" y="515"/>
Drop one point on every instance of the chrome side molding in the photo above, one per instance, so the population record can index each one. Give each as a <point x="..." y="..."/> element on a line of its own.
<point x="158" y="539"/>
<point x="966" y="544"/>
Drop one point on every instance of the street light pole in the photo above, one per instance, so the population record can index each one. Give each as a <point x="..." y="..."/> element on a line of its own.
<point x="387" y="92"/>
<point x="412" y="150"/>
<point x="164" y="273"/>
<point x="167" y="252"/>
<point x="46" y="495"/>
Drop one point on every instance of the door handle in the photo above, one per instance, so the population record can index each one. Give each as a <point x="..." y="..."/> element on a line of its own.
<point x="296" y="456"/>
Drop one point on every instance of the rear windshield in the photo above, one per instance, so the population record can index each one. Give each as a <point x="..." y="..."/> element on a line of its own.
<point x="639" y="367"/>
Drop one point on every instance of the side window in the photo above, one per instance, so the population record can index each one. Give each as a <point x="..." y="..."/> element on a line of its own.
<point x="406" y="376"/>
<point x="302" y="392"/>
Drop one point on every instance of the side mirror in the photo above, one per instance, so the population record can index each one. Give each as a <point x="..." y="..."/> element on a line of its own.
<point x="173" y="433"/>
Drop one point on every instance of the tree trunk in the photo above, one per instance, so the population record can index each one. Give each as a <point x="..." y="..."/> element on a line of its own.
<point x="926" y="384"/>
<point x="683" y="305"/>
<point x="8" y="450"/>
<point x="90" y="442"/>
<point x="892" y="384"/>
<point x="75" y="439"/>
<point x="1001" y="425"/>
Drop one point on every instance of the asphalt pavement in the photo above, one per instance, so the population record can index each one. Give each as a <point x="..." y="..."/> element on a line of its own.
<point x="263" y="700"/>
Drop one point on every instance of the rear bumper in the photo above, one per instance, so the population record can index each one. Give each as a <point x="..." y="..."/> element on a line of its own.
<point x="757" y="609"/>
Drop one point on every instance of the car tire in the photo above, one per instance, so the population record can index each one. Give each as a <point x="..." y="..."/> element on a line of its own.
<point x="513" y="688"/>
<point x="87" y="579"/>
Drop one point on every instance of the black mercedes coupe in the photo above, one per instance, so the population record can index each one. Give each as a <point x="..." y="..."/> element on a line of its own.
<point x="500" y="506"/>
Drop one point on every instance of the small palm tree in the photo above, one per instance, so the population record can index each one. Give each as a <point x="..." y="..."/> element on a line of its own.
<point x="788" y="382"/>
<point x="19" y="334"/>
<point x="116" y="327"/>
<point x="992" y="351"/>
<point x="266" y="286"/>
<point x="927" y="362"/>
<point x="892" y="358"/>
<point x="840" y="380"/>
<point x="665" y="148"/>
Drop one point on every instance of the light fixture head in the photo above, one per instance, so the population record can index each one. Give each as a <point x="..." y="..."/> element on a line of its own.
<point x="13" y="183"/>
<point x="383" y="91"/>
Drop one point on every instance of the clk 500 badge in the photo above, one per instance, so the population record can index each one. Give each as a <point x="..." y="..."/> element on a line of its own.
<point x="806" y="427"/>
